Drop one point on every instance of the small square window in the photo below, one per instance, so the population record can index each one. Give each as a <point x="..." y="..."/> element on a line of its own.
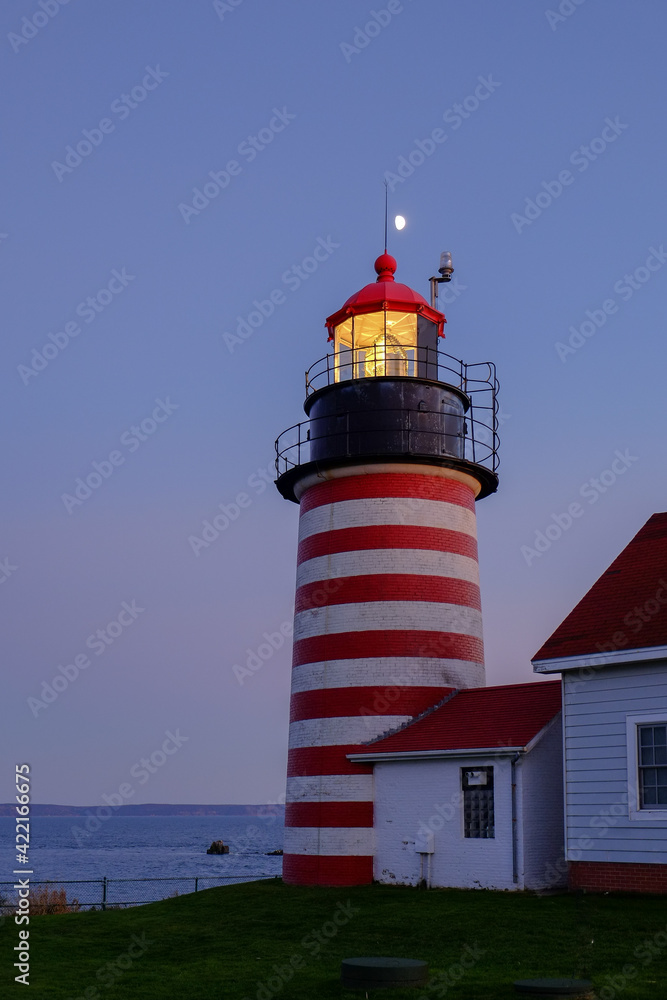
<point x="477" y="787"/>
<point x="652" y="766"/>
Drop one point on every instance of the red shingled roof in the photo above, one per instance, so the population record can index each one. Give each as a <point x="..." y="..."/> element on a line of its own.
<point x="509" y="715"/>
<point x="624" y="608"/>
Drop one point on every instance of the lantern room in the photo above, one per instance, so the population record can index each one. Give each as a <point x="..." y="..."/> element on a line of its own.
<point x="386" y="329"/>
<point x="386" y="394"/>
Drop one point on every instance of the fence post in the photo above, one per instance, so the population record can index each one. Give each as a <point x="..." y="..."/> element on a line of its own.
<point x="104" y="893"/>
<point x="196" y="883"/>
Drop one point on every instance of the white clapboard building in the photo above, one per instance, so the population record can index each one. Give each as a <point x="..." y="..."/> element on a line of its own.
<point x="612" y="653"/>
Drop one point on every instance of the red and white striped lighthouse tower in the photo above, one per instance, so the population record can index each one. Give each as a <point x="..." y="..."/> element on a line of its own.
<point x="399" y="443"/>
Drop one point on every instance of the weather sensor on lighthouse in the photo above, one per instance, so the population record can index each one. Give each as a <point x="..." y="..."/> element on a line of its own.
<point x="399" y="442"/>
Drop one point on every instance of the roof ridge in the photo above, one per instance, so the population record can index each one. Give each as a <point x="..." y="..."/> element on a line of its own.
<point x="415" y="718"/>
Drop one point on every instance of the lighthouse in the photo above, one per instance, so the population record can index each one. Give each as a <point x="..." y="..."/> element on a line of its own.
<point x="398" y="445"/>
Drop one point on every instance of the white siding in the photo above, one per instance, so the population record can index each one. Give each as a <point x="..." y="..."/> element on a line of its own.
<point x="543" y="823"/>
<point x="599" y="823"/>
<point x="413" y="798"/>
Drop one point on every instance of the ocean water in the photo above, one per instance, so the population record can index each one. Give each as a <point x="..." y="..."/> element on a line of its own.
<point x="136" y="847"/>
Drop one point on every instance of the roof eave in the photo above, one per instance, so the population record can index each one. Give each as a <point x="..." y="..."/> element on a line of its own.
<point x="386" y="305"/>
<point x="614" y="658"/>
<point x="396" y="755"/>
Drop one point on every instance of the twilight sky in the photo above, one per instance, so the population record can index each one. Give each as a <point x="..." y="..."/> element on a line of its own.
<point x="125" y="293"/>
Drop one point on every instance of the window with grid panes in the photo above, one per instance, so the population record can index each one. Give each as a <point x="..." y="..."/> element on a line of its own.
<point x="477" y="787"/>
<point x="652" y="762"/>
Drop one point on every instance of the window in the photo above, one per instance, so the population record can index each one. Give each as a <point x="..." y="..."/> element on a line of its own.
<point x="652" y="765"/>
<point x="477" y="786"/>
<point x="376" y="343"/>
<point x="646" y="740"/>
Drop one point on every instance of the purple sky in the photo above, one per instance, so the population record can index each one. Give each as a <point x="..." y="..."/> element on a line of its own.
<point x="164" y="95"/>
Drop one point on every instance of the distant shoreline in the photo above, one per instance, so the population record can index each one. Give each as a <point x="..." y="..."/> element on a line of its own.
<point x="150" y="809"/>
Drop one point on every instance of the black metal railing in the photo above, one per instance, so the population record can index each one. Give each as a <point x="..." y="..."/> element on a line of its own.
<point x="71" y="895"/>
<point x="473" y="437"/>
<point x="397" y="361"/>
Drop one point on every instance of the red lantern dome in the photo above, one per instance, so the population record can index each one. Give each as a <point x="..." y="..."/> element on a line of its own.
<point x="385" y="295"/>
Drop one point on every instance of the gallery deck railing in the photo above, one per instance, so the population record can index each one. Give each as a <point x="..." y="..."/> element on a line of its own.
<point x="411" y="362"/>
<point x="475" y="438"/>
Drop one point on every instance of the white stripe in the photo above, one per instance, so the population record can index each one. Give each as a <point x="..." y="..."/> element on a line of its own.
<point x="424" y="562"/>
<point x="365" y="616"/>
<point x="330" y="788"/>
<point x="387" y="510"/>
<point x="340" y="731"/>
<point x="329" y="840"/>
<point x="387" y="672"/>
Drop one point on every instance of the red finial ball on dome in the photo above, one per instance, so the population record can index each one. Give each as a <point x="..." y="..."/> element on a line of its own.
<point x="385" y="267"/>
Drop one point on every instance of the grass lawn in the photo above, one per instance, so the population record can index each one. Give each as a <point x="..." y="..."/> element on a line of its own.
<point x="227" y="942"/>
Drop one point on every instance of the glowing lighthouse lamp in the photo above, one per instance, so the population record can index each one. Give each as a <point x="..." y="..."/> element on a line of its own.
<point x="399" y="442"/>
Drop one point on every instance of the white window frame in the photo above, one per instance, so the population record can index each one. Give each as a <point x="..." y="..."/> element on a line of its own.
<point x="632" y="723"/>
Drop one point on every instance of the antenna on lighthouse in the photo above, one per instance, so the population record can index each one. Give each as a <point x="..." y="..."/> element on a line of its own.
<point x="386" y="198"/>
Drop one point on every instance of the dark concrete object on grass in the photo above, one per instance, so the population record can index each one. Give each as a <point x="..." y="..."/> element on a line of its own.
<point x="380" y="973"/>
<point x="558" y="989"/>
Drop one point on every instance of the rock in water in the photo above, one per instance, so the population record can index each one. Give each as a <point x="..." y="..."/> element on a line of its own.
<point x="218" y="847"/>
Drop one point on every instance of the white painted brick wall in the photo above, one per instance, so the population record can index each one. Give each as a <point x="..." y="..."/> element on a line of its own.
<point x="421" y="562"/>
<point x="353" y="841"/>
<point x="543" y="825"/>
<point x="330" y="788"/>
<point x="387" y="510"/>
<point x="426" y="795"/>
<point x="342" y="731"/>
<point x="431" y="616"/>
<point x="387" y="671"/>
<point x="413" y="797"/>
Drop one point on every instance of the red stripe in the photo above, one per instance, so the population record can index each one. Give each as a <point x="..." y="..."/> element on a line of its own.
<point x="324" y="760"/>
<point x="305" y="869"/>
<point x="387" y="536"/>
<point x="387" y="587"/>
<point x="344" y="703"/>
<point x="320" y="814"/>
<point x="387" y="642"/>
<point x="388" y="484"/>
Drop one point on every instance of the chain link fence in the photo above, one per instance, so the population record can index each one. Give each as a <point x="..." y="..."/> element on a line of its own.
<point x="72" y="895"/>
